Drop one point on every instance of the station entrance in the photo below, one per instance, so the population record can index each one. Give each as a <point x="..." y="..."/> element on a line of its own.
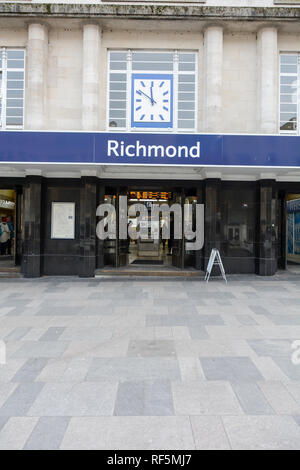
<point x="156" y="249"/>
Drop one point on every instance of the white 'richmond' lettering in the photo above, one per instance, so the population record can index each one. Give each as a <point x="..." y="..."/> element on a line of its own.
<point x="119" y="149"/>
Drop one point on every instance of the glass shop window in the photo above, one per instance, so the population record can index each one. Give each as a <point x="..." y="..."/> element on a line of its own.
<point x="238" y="212"/>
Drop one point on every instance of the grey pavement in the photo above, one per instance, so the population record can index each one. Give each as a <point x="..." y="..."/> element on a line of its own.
<point x="150" y="364"/>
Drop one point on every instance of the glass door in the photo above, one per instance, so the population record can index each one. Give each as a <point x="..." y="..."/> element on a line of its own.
<point x="122" y="242"/>
<point x="19" y="226"/>
<point x="293" y="229"/>
<point x="190" y="256"/>
<point x="177" y="245"/>
<point x="110" y="245"/>
<point x="115" y="251"/>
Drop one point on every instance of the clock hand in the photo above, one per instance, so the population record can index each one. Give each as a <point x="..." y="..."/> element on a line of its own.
<point x="141" y="92"/>
<point x="147" y="96"/>
<point x="152" y="100"/>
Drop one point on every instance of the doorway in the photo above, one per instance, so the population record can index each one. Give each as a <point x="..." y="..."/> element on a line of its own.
<point x="293" y="232"/>
<point x="158" y="249"/>
<point x="8" y="216"/>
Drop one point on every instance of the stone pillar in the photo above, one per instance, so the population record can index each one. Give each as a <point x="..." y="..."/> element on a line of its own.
<point x="212" y="227"/>
<point x="36" y="112"/>
<point x="212" y="66"/>
<point x="31" y="262"/>
<point x="88" y="193"/>
<point x="90" y="77"/>
<point x="267" y="54"/>
<point x="267" y="238"/>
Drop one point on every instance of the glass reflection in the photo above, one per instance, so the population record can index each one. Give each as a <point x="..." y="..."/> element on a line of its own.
<point x="238" y="222"/>
<point x="293" y="229"/>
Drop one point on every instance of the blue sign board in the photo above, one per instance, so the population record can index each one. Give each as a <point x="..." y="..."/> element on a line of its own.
<point x="293" y="205"/>
<point x="150" y="149"/>
<point x="297" y="233"/>
<point x="293" y="232"/>
<point x="290" y="233"/>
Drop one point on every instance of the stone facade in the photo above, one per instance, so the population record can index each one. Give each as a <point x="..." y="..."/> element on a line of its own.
<point x="67" y="47"/>
<point x="66" y="83"/>
<point x="242" y="3"/>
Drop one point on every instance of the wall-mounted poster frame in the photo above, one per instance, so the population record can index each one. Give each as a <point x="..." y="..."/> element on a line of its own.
<point x="63" y="220"/>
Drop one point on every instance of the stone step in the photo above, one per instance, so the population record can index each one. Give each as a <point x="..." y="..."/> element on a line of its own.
<point x="10" y="275"/>
<point x="10" y="272"/>
<point x="148" y="272"/>
<point x="9" y="269"/>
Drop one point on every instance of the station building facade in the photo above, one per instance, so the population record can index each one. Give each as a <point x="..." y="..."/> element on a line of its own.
<point x="181" y="102"/>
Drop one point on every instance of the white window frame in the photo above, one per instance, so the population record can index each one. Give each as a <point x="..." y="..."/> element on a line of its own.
<point x="5" y="69"/>
<point x="287" y="2"/>
<point x="175" y="73"/>
<point x="297" y="131"/>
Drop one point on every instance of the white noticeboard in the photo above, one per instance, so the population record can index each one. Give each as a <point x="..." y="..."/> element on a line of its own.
<point x="215" y="259"/>
<point x="63" y="220"/>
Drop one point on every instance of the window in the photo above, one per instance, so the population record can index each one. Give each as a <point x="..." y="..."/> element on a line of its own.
<point x="238" y="214"/>
<point x="12" y="71"/>
<point x="289" y="92"/>
<point x="152" y="90"/>
<point x="286" y="2"/>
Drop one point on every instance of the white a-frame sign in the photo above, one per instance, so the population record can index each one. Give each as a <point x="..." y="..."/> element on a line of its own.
<point x="215" y="260"/>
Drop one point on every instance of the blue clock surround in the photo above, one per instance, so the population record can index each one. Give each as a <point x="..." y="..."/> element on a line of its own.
<point x="152" y="125"/>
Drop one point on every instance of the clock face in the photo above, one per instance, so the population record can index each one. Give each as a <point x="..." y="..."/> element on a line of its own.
<point x="152" y="100"/>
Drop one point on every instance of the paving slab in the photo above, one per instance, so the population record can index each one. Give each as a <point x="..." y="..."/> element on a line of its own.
<point x="262" y="432"/>
<point x="47" y="433"/>
<point x="130" y="432"/>
<point x="142" y="364"/>
<point x="232" y="369"/>
<point x="205" y="398"/>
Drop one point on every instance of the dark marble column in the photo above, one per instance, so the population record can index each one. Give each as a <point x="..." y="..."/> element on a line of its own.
<point x="267" y="229"/>
<point x="87" y="257"/>
<point x="19" y="226"/>
<point x="212" y="200"/>
<point x="282" y="234"/>
<point x="31" y="262"/>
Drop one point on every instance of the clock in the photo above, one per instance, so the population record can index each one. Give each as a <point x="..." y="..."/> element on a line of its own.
<point x="152" y="100"/>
